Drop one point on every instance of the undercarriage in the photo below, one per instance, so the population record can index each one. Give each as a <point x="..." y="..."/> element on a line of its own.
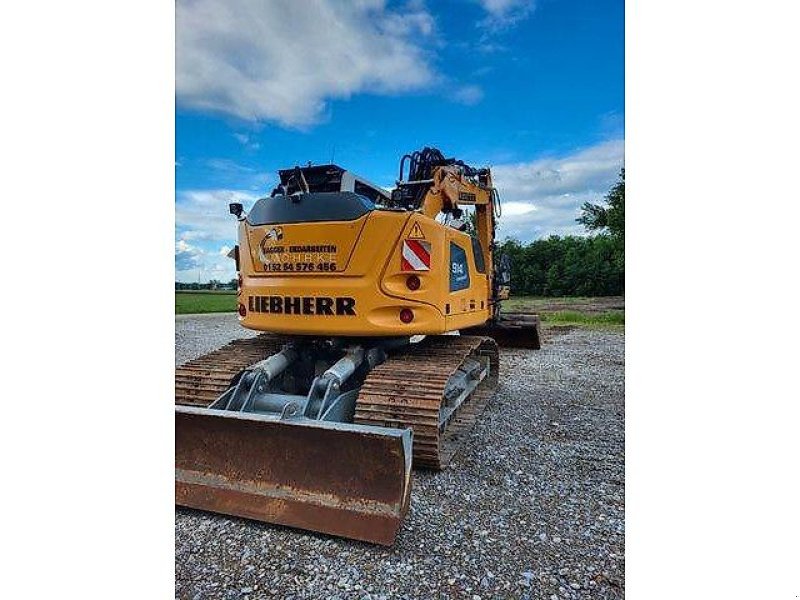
<point x="321" y="434"/>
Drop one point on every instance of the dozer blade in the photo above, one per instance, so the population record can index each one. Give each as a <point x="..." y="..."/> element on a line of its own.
<point x="347" y="480"/>
<point x="514" y="330"/>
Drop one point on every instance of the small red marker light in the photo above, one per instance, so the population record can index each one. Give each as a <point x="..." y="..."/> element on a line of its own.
<point x="242" y="310"/>
<point x="406" y="315"/>
<point x="413" y="282"/>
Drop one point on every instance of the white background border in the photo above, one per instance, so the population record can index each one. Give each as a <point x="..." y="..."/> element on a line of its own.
<point x="87" y="142"/>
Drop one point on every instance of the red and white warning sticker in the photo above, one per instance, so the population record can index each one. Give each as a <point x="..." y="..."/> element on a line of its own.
<point x="416" y="256"/>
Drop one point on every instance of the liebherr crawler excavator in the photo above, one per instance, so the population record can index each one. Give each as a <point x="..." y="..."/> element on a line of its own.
<point x="316" y="422"/>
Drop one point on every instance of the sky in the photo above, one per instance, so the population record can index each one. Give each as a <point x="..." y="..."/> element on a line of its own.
<point x="532" y="88"/>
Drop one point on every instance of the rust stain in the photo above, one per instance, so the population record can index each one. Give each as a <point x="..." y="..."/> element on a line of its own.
<point x="338" y="480"/>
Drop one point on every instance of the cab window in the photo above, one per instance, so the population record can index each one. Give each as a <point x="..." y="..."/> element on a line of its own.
<point x="477" y="252"/>
<point x="307" y="208"/>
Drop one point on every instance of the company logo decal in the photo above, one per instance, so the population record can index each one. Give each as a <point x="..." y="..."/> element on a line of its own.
<point x="303" y="305"/>
<point x="275" y="256"/>
<point x="275" y="234"/>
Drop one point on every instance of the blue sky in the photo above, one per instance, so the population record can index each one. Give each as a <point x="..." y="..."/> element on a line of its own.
<point x="533" y="89"/>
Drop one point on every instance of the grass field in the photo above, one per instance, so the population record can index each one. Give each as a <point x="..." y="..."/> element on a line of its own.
<point x="602" y="312"/>
<point x="568" y="317"/>
<point x="204" y="301"/>
<point x="608" y="311"/>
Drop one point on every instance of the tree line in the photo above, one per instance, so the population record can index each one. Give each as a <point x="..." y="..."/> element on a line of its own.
<point x="574" y="265"/>
<point x="214" y="284"/>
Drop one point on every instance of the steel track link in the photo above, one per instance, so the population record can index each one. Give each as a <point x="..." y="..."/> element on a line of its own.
<point x="408" y="391"/>
<point x="201" y="381"/>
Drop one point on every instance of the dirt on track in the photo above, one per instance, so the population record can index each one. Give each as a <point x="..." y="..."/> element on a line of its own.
<point x="532" y="507"/>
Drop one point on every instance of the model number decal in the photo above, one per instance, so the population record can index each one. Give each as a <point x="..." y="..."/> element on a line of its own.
<point x="466" y="197"/>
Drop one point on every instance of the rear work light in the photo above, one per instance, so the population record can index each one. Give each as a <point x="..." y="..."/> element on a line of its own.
<point x="406" y="315"/>
<point x="413" y="282"/>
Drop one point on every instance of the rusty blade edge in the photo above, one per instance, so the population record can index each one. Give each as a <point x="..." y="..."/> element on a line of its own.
<point x="278" y="492"/>
<point x="366" y="527"/>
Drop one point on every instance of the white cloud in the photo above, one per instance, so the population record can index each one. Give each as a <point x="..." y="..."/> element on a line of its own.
<point x="195" y="263"/>
<point x="468" y="94"/>
<point x="205" y="232"/>
<point x="543" y="197"/>
<point x="247" y="140"/>
<point x="514" y="209"/>
<point x="202" y="215"/>
<point x="186" y="256"/>
<point x="501" y="14"/>
<point x="584" y="169"/>
<point x="282" y="60"/>
<point x="228" y="174"/>
<point x="228" y="166"/>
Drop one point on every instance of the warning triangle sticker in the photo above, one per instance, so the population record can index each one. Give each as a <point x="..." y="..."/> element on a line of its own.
<point x="416" y="233"/>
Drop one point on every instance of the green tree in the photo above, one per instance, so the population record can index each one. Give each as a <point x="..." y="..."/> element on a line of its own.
<point x="566" y="266"/>
<point x="611" y="217"/>
<point x="574" y="265"/>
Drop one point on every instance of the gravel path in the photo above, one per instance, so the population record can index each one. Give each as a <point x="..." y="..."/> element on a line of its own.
<point x="532" y="507"/>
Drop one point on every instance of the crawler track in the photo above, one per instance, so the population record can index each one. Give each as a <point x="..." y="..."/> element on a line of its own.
<point x="408" y="391"/>
<point x="405" y="391"/>
<point x="201" y="381"/>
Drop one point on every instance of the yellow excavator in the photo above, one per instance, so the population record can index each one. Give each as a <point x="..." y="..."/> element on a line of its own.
<point x="380" y="320"/>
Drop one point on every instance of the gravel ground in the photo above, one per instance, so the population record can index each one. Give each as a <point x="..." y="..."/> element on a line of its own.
<point x="532" y="507"/>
